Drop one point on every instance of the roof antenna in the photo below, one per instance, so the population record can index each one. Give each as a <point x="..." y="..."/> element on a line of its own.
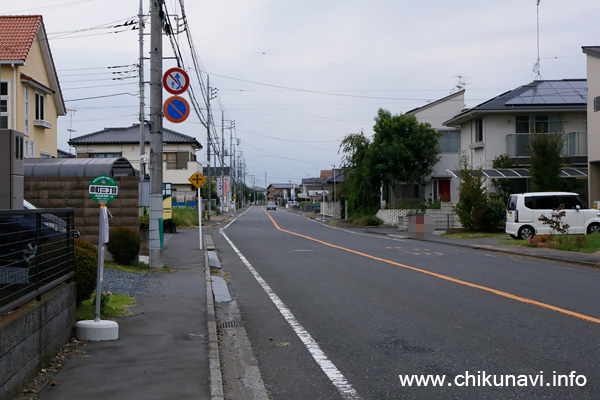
<point x="536" y="66"/>
<point x="461" y="84"/>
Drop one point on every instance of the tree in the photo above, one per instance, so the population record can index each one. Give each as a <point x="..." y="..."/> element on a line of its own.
<point x="503" y="187"/>
<point x="359" y="186"/>
<point x="403" y="149"/>
<point x="473" y="201"/>
<point x="546" y="162"/>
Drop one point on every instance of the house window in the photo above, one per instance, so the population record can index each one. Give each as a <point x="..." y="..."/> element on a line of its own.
<point x="479" y="130"/>
<point x="177" y="160"/>
<point x="40" y="106"/>
<point x="29" y="148"/>
<point x="4" y="105"/>
<point x="538" y="124"/>
<point x="105" y="155"/>
<point x="596" y="103"/>
<point x="26" y="111"/>
<point x="449" y="142"/>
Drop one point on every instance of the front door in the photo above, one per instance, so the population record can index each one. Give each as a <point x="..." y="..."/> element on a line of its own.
<point x="444" y="190"/>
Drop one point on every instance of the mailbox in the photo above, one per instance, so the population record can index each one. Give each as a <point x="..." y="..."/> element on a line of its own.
<point x="11" y="169"/>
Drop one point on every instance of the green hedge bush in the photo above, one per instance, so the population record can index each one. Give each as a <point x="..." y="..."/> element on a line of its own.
<point x="124" y="245"/>
<point x="86" y="269"/>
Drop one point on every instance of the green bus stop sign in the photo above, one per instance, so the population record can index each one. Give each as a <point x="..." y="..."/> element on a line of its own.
<point x="103" y="189"/>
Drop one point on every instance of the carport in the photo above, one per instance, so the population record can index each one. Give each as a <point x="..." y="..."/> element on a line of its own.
<point x="77" y="167"/>
<point x="64" y="182"/>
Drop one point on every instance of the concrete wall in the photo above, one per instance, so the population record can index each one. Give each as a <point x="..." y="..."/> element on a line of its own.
<point x="443" y="218"/>
<point x="73" y="192"/>
<point x="331" y="209"/>
<point x="32" y="335"/>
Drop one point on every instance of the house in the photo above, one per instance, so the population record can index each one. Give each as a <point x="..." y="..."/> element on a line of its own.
<point x="440" y="185"/>
<point x="278" y="191"/>
<point x="30" y="97"/>
<point x="506" y="123"/>
<point x="593" y="121"/>
<point x="311" y="189"/>
<point x="179" y="151"/>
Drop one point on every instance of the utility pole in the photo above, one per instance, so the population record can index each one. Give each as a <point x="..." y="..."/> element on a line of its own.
<point x="208" y="97"/>
<point x="143" y="158"/>
<point x="156" y="140"/>
<point x="222" y="161"/>
<point x="211" y="93"/>
<point x="230" y="199"/>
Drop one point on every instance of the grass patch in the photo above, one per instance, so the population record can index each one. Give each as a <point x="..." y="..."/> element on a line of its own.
<point x="581" y="243"/>
<point x="117" y="306"/>
<point x="185" y="217"/>
<point x="141" y="268"/>
<point x="477" y="235"/>
<point x="588" y="244"/>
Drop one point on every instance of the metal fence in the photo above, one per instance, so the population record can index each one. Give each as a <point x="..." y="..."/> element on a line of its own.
<point x="36" y="253"/>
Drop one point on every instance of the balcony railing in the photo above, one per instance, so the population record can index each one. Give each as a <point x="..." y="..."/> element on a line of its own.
<point x="574" y="144"/>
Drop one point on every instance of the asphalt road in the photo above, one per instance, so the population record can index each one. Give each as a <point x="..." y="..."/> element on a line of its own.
<point x="333" y="314"/>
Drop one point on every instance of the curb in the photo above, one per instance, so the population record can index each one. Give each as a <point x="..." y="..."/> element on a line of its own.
<point x="214" y="361"/>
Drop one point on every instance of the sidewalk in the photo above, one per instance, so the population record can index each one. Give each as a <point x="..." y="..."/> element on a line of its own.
<point x="162" y="350"/>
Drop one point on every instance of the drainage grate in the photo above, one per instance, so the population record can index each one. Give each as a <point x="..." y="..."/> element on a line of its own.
<point x="229" y="324"/>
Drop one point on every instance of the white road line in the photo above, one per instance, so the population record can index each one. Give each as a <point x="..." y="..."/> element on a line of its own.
<point x="334" y="375"/>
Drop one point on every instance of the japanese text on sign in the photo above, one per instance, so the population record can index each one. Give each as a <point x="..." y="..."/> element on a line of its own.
<point x="108" y="190"/>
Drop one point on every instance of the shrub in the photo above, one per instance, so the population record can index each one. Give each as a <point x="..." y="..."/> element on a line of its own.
<point x="472" y="203"/>
<point x="124" y="244"/>
<point x="169" y="226"/>
<point x="495" y="217"/>
<point x="144" y="221"/>
<point x="86" y="269"/>
<point x="86" y="245"/>
<point x="365" y="220"/>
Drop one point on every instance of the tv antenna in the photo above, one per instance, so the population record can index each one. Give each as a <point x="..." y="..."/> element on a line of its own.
<point x="536" y="66"/>
<point x="461" y="83"/>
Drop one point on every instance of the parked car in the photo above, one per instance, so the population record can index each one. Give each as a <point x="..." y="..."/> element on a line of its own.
<point x="292" y="204"/>
<point x="19" y="238"/>
<point x="523" y="211"/>
<point x="271" y="206"/>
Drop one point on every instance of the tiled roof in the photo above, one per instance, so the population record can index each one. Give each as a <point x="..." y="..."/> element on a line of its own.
<point x="131" y="135"/>
<point x="541" y="96"/>
<point x="17" y="34"/>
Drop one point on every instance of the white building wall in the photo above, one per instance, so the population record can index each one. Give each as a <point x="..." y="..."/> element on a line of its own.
<point x="593" y="128"/>
<point x="495" y="129"/>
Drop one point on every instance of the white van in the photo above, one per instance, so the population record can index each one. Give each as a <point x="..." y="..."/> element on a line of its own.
<point x="524" y="210"/>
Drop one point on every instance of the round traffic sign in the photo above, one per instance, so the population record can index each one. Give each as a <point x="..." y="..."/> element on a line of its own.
<point x="103" y="189"/>
<point x="176" y="109"/>
<point x="176" y="81"/>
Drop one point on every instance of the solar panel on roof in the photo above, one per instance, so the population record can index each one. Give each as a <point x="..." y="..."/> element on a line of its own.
<point x="556" y="92"/>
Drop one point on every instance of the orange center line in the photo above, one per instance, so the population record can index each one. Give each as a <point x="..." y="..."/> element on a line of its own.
<point x="447" y="278"/>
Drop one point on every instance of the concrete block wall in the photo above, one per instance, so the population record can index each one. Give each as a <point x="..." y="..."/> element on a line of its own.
<point x="443" y="218"/>
<point x="74" y="192"/>
<point x="32" y="335"/>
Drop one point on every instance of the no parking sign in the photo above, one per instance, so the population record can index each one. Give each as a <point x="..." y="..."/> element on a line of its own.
<point x="176" y="109"/>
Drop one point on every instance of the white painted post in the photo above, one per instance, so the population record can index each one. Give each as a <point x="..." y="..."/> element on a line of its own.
<point x="200" y="217"/>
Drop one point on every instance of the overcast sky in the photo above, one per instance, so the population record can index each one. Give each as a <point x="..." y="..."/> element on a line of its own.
<point x="298" y="76"/>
